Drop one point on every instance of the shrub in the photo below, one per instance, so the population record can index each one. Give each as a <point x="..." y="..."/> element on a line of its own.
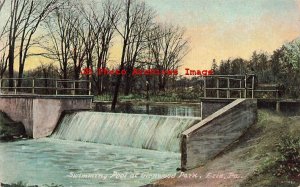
<point x="289" y="156"/>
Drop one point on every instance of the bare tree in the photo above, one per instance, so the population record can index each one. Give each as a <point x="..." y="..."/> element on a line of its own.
<point x="138" y="40"/>
<point x="3" y="60"/>
<point x="167" y="51"/>
<point x="61" y="27"/>
<point x="127" y="28"/>
<point x="79" y="35"/>
<point x="78" y="45"/>
<point x="35" y="14"/>
<point x="3" y="51"/>
<point x="104" y="36"/>
<point x="3" y="45"/>
<point x="131" y="32"/>
<point x="24" y="20"/>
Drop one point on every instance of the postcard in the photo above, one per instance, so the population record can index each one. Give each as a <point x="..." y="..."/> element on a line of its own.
<point x="146" y="93"/>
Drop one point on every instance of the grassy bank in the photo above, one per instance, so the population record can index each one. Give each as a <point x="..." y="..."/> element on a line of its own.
<point x="267" y="155"/>
<point x="278" y="145"/>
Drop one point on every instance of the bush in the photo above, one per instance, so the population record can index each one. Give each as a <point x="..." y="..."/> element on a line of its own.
<point x="289" y="156"/>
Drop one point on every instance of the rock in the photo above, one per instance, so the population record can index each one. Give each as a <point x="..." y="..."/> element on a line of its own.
<point x="10" y="130"/>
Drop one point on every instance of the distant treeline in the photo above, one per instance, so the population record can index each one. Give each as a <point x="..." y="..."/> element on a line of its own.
<point x="74" y="34"/>
<point x="280" y="67"/>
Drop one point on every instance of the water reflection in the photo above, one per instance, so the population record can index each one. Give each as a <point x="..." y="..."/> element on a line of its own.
<point x="163" y="109"/>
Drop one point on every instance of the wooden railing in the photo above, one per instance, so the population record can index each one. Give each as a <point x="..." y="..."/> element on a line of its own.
<point x="244" y="86"/>
<point x="44" y="86"/>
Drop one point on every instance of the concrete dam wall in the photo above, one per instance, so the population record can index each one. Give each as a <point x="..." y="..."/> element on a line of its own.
<point x="213" y="134"/>
<point x="40" y="114"/>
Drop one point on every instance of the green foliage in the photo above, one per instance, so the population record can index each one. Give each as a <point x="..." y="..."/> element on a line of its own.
<point x="281" y="67"/>
<point x="289" y="156"/>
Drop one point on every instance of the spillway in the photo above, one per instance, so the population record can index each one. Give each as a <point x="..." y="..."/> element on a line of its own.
<point x="153" y="132"/>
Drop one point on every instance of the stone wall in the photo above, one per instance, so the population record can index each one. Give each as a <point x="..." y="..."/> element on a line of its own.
<point x="213" y="134"/>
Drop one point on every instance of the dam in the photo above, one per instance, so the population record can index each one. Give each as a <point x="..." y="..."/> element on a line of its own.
<point x="74" y="146"/>
<point x="91" y="148"/>
<point x="153" y="132"/>
<point x="94" y="148"/>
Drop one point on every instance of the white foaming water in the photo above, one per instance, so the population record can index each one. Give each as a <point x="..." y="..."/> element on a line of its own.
<point x="132" y="130"/>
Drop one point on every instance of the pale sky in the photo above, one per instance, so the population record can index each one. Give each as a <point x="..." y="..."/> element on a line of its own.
<point x="222" y="29"/>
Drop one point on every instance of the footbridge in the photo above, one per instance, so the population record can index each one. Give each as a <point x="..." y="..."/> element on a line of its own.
<point x="223" y="89"/>
<point x="39" y="102"/>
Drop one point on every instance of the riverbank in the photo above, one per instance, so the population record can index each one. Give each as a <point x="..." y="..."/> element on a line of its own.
<point x="11" y="130"/>
<point x="267" y="155"/>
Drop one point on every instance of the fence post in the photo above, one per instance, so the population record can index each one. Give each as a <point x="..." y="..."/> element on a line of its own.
<point x="55" y="86"/>
<point x="74" y="87"/>
<point x="218" y="92"/>
<point x="240" y="89"/>
<point x="253" y="80"/>
<point x="228" y="87"/>
<point x="15" y="86"/>
<point x="33" y="85"/>
<point x="204" y="86"/>
<point x="90" y="87"/>
<point x="245" y="93"/>
<point x="201" y="110"/>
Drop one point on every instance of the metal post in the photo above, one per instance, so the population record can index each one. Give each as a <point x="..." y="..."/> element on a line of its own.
<point x="218" y="92"/>
<point x="15" y="86"/>
<point x="0" y="86"/>
<point x="277" y="106"/>
<point x="55" y="87"/>
<point x="90" y="87"/>
<point x="201" y="110"/>
<point x="240" y="89"/>
<point x="253" y="80"/>
<point x="204" y="87"/>
<point x="228" y="87"/>
<point x="245" y="93"/>
<point x="33" y="85"/>
<point x="147" y="87"/>
<point x="74" y="87"/>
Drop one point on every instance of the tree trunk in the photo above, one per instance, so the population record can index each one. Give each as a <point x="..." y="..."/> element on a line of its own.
<point x="125" y="43"/>
<point x="127" y="85"/>
<point x="116" y="92"/>
<point x="76" y="77"/>
<point x="161" y="86"/>
<point x="11" y="66"/>
<point x="21" y="70"/>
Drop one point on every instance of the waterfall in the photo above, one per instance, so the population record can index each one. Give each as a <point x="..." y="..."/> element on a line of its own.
<point x="133" y="130"/>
